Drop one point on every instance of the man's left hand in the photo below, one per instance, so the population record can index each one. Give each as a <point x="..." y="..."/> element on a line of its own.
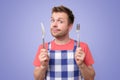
<point x="79" y="56"/>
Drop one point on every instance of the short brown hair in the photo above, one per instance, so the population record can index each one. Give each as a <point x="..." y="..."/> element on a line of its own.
<point x="66" y="10"/>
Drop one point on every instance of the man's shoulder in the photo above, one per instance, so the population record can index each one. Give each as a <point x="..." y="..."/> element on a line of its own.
<point x="83" y="43"/>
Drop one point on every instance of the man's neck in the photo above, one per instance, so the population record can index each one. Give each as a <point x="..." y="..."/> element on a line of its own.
<point x="61" y="41"/>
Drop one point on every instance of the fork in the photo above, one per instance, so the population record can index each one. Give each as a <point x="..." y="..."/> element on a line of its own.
<point x="78" y="35"/>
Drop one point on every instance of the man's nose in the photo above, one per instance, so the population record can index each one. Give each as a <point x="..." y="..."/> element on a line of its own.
<point x="54" y="24"/>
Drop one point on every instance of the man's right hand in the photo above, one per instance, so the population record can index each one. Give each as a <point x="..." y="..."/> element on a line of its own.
<point x="44" y="58"/>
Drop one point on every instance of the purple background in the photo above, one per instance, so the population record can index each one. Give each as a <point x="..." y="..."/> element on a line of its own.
<point x="20" y="34"/>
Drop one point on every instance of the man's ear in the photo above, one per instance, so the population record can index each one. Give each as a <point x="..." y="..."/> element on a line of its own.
<point x="70" y="27"/>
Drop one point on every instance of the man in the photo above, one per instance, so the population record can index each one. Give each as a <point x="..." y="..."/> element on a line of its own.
<point x="62" y="59"/>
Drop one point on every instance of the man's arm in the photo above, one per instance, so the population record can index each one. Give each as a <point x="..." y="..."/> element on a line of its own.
<point x="87" y="72"/>
<point x="39" y="73"/>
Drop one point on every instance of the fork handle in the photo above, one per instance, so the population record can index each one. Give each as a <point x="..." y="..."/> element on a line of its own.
<point x="78" y="42"/>
<point x="43" y="43"/>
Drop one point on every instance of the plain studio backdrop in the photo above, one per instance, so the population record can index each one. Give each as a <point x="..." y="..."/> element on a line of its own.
<point x="20" y="34"/>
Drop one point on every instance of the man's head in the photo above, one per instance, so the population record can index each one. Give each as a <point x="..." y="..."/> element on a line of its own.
<point x="61" y="21"/>
<point x="65" y="10"/>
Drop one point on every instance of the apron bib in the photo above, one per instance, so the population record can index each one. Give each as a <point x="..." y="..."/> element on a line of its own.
<point x="62" y="65"/>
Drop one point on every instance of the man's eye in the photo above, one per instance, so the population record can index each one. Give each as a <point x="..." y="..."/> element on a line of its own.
<point x="60" y="21"/>
<point x="52" y="20"/>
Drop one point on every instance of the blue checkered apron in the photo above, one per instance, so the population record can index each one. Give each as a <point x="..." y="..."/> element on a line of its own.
<point x="62" y="65"/>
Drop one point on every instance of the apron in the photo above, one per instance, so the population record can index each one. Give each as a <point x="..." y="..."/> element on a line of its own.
<point x="62" y="65"/>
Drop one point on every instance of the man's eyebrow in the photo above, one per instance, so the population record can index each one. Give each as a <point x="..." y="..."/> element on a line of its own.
<point x="58" y="18"/>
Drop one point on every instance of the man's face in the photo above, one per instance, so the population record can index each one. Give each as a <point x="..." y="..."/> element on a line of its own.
<point x="59" y="24"/>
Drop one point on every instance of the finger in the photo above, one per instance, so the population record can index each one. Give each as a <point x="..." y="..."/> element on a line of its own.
<point x="79" y="48"/>
<point x="44" y="56"/>
<point x="78" y="58"/>
<point x="43" y="50"/>
<point x="43" y="53"/>
<point x="43" y="59"/>
<point x="78" y="55"/>
<point x="46" y="59"/>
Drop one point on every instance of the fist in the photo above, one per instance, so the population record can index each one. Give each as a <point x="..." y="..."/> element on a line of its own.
<point x="79" y="56"/>
<point x="44" y="58"/>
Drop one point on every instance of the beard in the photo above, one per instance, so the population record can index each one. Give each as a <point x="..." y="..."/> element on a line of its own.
<point x="60" y="33"/>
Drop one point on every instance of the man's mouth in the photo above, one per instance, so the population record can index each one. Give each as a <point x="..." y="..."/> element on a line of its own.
<point x="55" y="30"/>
